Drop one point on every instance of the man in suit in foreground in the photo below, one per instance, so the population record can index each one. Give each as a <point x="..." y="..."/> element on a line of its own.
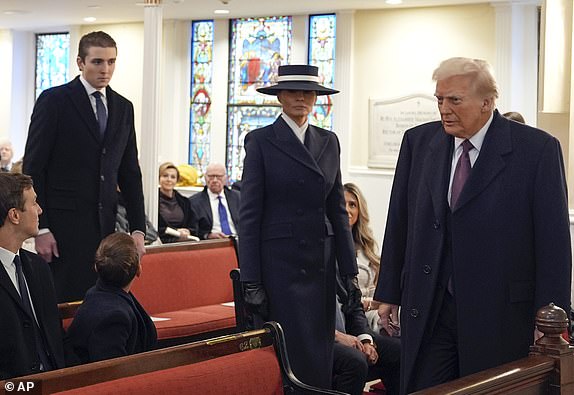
<point x="477" y="236"/>
<point x="30" y="329"/>
<point x="81" y="146"/>
<point x="209" y="203"/>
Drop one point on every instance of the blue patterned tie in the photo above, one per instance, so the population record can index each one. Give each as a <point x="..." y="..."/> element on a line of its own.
<point x="223" y="218"/>
<point x="26" y="303"/>
<point x="101" y="113"/>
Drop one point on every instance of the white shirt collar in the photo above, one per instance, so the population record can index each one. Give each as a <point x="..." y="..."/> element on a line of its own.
<point x="213" y="196"/>
<point x="89" y="88"/>
<point x="298" y="130"/>
<point x="478" y="138"/>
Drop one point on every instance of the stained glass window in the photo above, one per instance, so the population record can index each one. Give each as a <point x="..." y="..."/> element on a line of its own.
<point x="201" y="88"/>
<point x="258" y="46"/>
<point x="322" y="37"/>
<point x="52" y="57"/>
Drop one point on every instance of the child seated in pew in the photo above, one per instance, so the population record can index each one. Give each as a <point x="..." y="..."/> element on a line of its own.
<point x="110" y="322"/>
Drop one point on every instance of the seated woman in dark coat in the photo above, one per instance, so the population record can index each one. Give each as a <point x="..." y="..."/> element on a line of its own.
<point x="110" y="322"/>
<point x="175" y="214"/>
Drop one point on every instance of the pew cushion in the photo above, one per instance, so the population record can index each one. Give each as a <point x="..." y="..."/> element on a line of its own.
<point x="193" y="321"/>
<point x="251" y="372"/>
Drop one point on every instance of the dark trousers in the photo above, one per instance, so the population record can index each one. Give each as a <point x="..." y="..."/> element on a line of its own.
<point x="437" y="359"/>
<point x="351" y="370"/>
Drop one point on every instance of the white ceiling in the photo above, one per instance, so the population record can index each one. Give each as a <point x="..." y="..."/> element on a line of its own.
<point x="49" y="15"/>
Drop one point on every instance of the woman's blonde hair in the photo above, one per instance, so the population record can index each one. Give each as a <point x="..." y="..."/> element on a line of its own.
<point x="168" y="165"/>
<point x="362" y="233"/>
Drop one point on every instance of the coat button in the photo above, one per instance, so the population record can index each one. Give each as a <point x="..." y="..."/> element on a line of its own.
<point x="302" y="243"/>
<point x="414" y="313"/>
<point x="102" y="177"/>
<point x="303" y="272"/>
<point x="103" y="151"/>
<point x="301" y="181"/>
<point x="100" y="206"/>
<point x="436" y="225"/>
<point x="300" y="212"/>
<point x="320" y="210"/>
<point x="427" y="269"/>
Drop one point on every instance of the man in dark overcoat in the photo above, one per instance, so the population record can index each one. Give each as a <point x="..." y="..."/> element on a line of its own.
<point x="477" y="236"/>
<point x="81" y="145"/>
<point x="294" y="225"/>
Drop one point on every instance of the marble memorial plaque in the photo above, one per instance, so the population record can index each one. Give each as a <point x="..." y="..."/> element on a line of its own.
<point x="390" y="119"/>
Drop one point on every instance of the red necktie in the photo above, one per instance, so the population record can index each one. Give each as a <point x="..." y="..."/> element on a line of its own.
<point x="461" y="173"/>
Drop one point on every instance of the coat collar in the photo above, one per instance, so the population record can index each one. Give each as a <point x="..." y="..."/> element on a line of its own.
<point x="436" y="169"/>
<point x="285" y="140"/>
<point x="491" y="160"/>
<point x="31" y="280"/>
<point x="81" y="101"/>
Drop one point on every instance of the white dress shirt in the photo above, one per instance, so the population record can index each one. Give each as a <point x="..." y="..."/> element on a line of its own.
<point x="214" y="202"/>
<point x="298" y="130"/>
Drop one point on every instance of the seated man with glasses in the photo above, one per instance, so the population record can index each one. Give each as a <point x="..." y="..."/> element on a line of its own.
<point x="216" y="208"/>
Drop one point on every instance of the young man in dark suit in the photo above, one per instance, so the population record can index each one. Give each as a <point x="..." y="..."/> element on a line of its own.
<point x="477" y="236"/>
<point x="81" y="146"/>
<point x="30" y="328"/>
<point x="207" y="205"/>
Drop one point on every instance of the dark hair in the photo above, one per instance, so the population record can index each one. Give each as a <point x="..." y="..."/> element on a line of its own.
<point x="514" y="116"/>
<point x="95" y="39"/>
<point x="12" y="187"/>
<point x="117" y="260"/>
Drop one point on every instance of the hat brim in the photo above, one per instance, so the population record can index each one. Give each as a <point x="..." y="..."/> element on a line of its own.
<point x="297" y="86"/>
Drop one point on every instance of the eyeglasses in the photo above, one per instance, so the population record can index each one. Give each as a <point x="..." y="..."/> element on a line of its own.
<point x="218" y="176"/>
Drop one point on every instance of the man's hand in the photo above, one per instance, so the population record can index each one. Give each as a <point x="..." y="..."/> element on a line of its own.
<point x="47" y="247"/>
<point x="140" y="243"/>
<point x="184" y="233"/>
<point x="349" y="341"/>
<point x="371" y="353"/>
<point x="389" y="318"/>
<point x="216" y="235"/>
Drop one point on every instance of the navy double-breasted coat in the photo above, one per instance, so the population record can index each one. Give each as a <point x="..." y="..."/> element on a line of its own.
<point x="292" y="207"/>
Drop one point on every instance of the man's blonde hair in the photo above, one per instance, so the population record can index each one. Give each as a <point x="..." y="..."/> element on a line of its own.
<point x="484" y="83"/>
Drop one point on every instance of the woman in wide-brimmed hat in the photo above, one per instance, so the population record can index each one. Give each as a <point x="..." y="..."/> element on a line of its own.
<point x="292" y="217"/>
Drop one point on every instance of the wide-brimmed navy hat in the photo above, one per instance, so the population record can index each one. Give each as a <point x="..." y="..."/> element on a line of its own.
<point x="298" y="77"/>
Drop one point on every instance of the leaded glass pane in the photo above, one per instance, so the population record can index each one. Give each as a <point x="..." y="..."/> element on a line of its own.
<point x="241" y="120"/>
<point x="201" y="89"/>
<point x="258" y="46"/>
<point x="322" y="40"/>
<point x="52" y="57"/>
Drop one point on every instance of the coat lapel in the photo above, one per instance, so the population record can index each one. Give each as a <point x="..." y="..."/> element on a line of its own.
<point x="8" y="285"/>
<point x="82" y="103"/>
<point x="437" y="170"/>
<point x="285" y="140"/>
<point x="317" y="143"/>
<point x="33" y="285"/>
<point x="207" y="205"/>
<point x="490" y="161"/>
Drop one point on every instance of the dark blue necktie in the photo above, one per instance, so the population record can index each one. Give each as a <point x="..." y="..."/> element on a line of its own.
<point x="101" y="113"/>
<point x="223" y="217"/>
<point x="26" y="303"/>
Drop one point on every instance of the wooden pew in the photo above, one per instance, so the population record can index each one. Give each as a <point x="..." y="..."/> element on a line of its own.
<point x="252" y="362"/>
<point x="549" y="369"/>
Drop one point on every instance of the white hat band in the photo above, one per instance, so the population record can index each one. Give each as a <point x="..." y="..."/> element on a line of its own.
<point x="311" y="78"/>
